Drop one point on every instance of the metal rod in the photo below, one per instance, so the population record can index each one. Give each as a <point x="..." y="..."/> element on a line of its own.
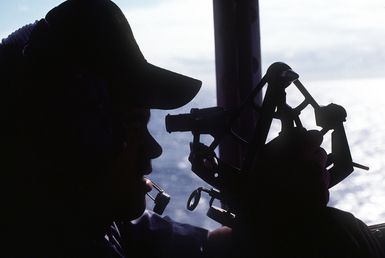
<point x="149" y="195"/>
<point x="360" y="166"/>
<point x="307" y="95"/>
<point x="157" y="187"/>
<point x="238" y="66"/>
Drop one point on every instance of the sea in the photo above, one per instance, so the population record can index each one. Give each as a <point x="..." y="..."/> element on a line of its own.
<point x="362" y="193"/>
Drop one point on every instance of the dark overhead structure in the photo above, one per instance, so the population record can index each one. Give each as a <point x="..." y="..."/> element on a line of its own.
<point x="238" y="63"/>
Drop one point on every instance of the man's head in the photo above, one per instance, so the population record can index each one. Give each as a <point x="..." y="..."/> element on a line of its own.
<point x="95" y="35"/>
<point x="92" y="100"/>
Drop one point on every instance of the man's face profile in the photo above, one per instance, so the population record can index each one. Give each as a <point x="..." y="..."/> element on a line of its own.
<point x="126" y="185"/>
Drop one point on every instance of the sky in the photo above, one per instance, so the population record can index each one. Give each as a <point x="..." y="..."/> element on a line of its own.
<point x="329" y="39"/>
<point x="326" y="39"/>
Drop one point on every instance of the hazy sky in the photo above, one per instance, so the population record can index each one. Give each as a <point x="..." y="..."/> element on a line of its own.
<point x="338" y="38"/>
<point x="321" y="39"/>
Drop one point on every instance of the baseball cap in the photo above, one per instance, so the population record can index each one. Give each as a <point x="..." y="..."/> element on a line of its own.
<point x="97" y="31"/>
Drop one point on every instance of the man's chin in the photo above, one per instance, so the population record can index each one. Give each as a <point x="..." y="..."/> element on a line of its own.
<point x="137" y="213"/>
<point x="131" y="211"/>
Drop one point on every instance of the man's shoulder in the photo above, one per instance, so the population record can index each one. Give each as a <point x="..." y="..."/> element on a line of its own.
<point x="163" y="226"/>
<point x="341" y="215"/>
<point x="168" y="237"/>
<point x="346" y="229"/>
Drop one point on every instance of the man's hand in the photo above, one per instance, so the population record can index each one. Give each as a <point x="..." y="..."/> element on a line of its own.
<point x="220" y="243"/>
<point x="294" y="169"/>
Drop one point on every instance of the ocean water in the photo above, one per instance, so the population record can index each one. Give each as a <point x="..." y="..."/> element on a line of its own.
<point x="362" y="193"/>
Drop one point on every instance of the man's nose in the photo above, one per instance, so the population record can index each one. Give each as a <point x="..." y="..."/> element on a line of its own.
<point x="155" y="150"/>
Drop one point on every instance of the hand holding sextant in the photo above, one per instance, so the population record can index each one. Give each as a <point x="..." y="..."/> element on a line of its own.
<point x="227" y="181"/>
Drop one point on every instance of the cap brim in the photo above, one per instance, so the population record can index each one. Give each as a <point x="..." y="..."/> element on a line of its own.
<point x="135" y="81"/>
<point x="159" y="88"/>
